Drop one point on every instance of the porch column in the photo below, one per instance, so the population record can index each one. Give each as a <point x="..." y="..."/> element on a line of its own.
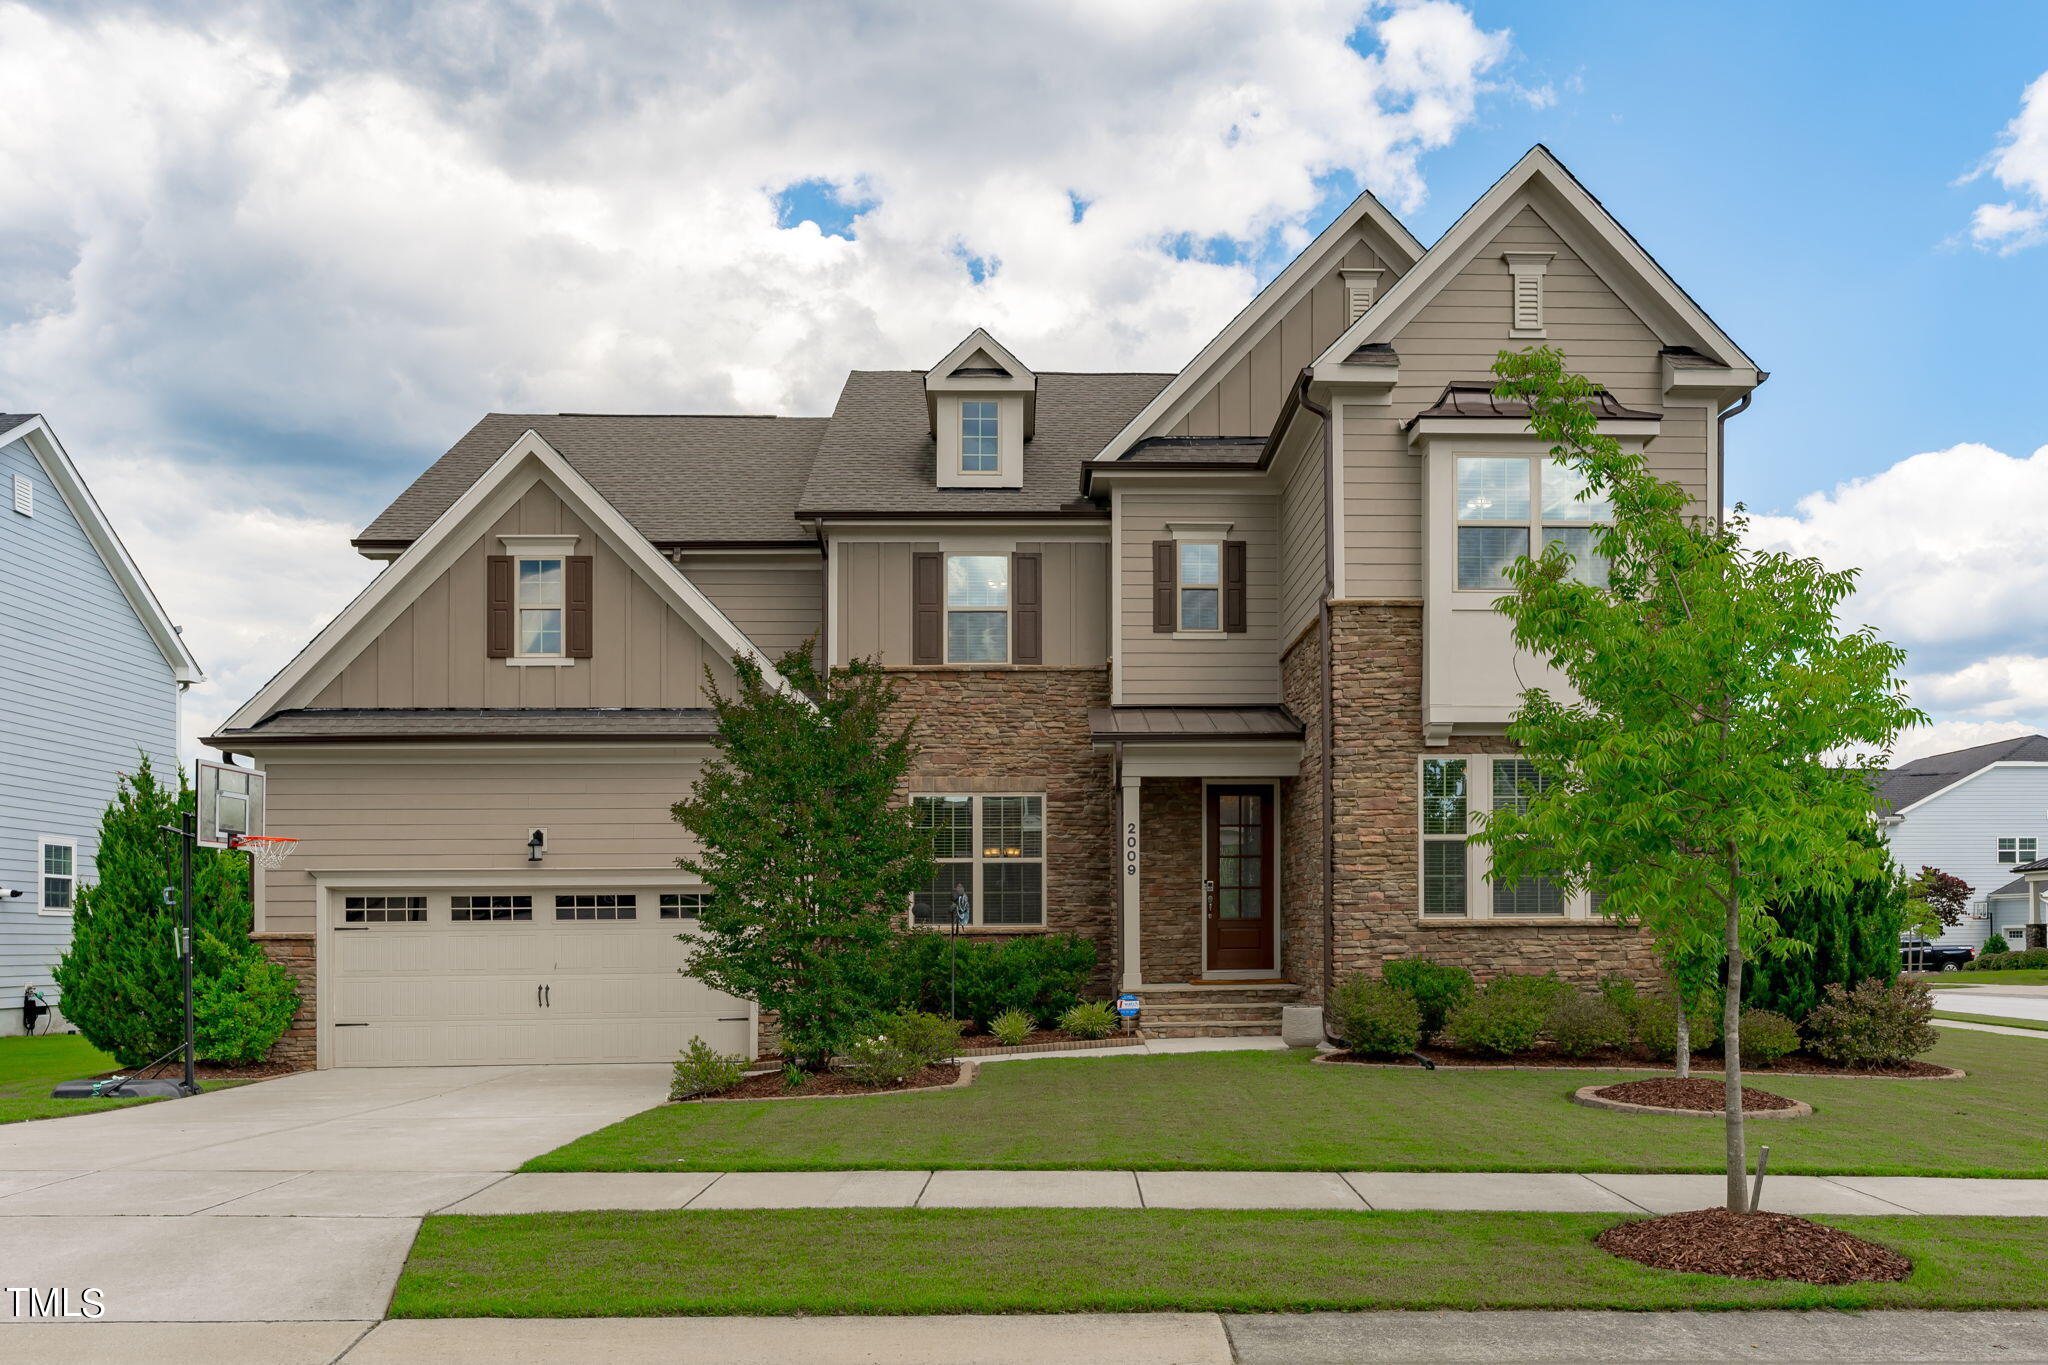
<point x="1128" y="856"/>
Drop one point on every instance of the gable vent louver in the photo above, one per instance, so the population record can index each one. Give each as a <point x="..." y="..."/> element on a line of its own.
<point x="1360" y="287"/>
<point x="24" y="495"/>
<point x="1525" y="271"/>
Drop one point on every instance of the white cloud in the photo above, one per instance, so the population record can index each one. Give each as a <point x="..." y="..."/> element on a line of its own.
<point x="317" y="241"/>
<point x="1949" y="552"/>
<point x="2020" y="164"/>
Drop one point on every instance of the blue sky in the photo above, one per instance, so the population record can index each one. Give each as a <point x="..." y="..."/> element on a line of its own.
<point x="275" y="257"/>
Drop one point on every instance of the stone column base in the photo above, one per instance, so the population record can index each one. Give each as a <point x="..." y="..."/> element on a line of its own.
<point x="294" y="953"/>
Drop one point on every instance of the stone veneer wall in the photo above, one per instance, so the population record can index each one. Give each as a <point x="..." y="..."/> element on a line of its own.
<point x="1025" y="729"/>
<point x="294" y="952"/>
<point x="1170" y="873"/>
<point x="1301" y="821"/>
<point x="1377" y="678"/>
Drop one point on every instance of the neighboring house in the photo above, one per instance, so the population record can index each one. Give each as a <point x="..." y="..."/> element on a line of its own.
<point x="1980" y="814"/>
<point x="90" y="673"/>
<point x="1131" y="613"/>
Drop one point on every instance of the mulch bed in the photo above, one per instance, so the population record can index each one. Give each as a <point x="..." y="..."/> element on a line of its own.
<point x="771" y="1086"/>
<point x="207" y="1071"/>
<point x="1698" y="1092"/>
<point x="1753" y="1246"/>
<point x="980" y="1041"/>
<point x="1544" y="1055"/>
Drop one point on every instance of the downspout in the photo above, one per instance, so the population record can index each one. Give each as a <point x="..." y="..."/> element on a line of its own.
<point x="824" y="659"/>
<point x="1327" y="705"/>
<point x="1721" y="449"/>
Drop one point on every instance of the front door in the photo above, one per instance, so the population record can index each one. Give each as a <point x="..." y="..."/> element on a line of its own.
<point x="1239" y="886"/>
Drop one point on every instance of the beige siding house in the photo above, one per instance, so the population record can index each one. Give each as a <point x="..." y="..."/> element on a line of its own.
<point x="1197" y="643"/>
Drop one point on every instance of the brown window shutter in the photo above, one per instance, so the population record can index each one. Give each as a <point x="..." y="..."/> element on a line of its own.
<point x="1027" y="607"/>
<point x="576" y="598"/>
<point x="498" y="606"/>
<point x="1233" y="586"/>
<point x="1164" y="572"/>
<point x="928" y="608"/>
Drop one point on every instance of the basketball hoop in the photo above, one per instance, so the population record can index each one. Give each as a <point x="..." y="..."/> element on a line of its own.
<point x="267" y="851"/>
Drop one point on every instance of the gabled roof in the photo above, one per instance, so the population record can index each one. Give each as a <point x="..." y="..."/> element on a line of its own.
<point x="680" y="480"/>
<point x="34" y="432"/>
<point x="878" y="458"/>
<point x="1581" y="219"/>
<point x="1909" y="784"/>
<point x="530" y="460"/>
<point x="1392" y="238"/>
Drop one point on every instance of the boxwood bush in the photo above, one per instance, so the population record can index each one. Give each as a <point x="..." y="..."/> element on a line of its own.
<point x="1502" y="1020"/>
<point x="1767" y="1036"/>
<point x="1435" y="988"/>
<point x="1375" y="1018"/>
<point x="1041" y="974"/>
<point x="1581" y="1025"/>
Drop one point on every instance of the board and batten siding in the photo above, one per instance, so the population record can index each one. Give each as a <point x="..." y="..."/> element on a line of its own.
<point x="1958" y="831"/>
<point x="1303" y="531"/>
<point x="874" y="609"/>
<point x="776" y="604"/>
<point x="433" y="654"/>
<point x="1240" y="669"/>
<point x="394" y="816"/>
<point x="86" y="690"/>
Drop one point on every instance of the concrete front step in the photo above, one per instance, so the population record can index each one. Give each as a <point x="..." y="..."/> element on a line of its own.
<point x="1213" y="1028"/>
<point x="1184" y="1014"/>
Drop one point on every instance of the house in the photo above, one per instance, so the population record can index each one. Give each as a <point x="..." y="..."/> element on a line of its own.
<point x="1980" y="814"/>
<point x="1203" y="663"/>
<point x="90" y="670"/>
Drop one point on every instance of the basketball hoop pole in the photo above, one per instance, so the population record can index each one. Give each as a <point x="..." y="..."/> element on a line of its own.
<point x="190" y="824"/>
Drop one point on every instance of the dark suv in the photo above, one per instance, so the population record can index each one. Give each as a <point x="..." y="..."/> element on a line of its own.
<point x="1925" y="955"/>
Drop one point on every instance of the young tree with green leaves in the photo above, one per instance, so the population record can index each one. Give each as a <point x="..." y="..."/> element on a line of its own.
<point x="122" y="988"/>
<point x="807" y="851"/>
<point x="1691" y="774"/>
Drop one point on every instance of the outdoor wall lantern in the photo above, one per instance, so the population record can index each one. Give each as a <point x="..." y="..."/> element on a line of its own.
<point x="536" y="846"/>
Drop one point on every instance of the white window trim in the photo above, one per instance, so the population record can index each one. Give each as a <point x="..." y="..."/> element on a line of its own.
<point x="1181" y="629"/>
<point x="44" y="841"/>
<point x="521" y="557"/>
<point x="996" y="415"/>
<point x="1008" y="609"/>
<point x="1578" y="906"/>
<point x="979" y="862"/>
<point x="1537" y="462"/>
<point x="2019" y="856"/>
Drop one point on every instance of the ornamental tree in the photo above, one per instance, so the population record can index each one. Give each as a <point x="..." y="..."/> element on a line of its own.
<point x="809" y="857"/>
<point x="1690" y="775"/>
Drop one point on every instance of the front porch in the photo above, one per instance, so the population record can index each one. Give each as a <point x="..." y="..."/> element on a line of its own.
<point x="1204" y="896"/>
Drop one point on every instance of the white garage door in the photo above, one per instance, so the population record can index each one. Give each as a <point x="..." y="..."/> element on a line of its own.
<point x="454" y="980"/>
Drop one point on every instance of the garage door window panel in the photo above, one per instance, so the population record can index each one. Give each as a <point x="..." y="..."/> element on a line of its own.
<point x="597" y="906"/>
<point x="384" y="910"/>
<point x="490" y="909"/>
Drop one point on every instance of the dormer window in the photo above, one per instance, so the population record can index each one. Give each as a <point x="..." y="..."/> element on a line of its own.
<point x="979" y="437"/>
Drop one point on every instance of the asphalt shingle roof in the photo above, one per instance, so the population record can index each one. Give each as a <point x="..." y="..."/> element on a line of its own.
<point x="687" y="479"/>
<point x="877" y="455"/>
<point x="1923" y="777"/>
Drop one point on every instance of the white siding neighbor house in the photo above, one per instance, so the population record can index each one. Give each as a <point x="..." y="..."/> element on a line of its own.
<point x="90" y="673"/>
<point x="1979" y="814"/>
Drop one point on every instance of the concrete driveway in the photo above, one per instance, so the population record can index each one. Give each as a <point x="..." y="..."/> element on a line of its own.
<point x="293" y="1200"/>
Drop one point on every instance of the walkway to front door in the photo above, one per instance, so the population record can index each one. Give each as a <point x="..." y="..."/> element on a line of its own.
<point x="1238" y="881"/>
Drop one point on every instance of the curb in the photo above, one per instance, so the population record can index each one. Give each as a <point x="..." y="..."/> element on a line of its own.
<point x="1585" y="1095"/>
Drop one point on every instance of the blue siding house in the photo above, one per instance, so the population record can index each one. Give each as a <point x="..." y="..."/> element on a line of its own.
<point x="1979" y="814"/>
<point x="90" y="675"/>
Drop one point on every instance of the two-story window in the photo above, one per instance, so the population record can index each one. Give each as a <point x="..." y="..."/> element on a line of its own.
<point x="991" y="849"/>
<point x="1456" y="873"/>
<point x="2016" y="850"/>
<point x="980" y="450"/>
<point x="1506" y="503"/>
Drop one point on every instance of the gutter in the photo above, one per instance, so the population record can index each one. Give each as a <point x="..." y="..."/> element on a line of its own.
<point x="1721" y="447"/>
<point x="1326" y="731"/>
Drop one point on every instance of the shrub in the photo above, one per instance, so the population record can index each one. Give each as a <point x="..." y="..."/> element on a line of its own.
<point x="2019" y="959"/>
<point x="1436" y="989"/>
<point x="1767" y="1036"/>
<point x="925" y="1036"/>
<point x="239" y="1014"/>
<point x="703" y="1070"/>
<point x="1657" y="1025"/>
<point x="1540" y="992"/>
<point x="1880" y="1023"/>
<point x="1498" y="1022"/>
<point x="1041" y="974"/>
<point x="1582" y="1025"/>
<point x="879" y="1060"/>
<point x="1996" y="944"/>
<point x="1011" y="1027"/>
<point x="1853" y="935"/>
<point x="1375" y="1018"/>
<point x="1623" y="997"/>
<point x="1094" y="1019"/>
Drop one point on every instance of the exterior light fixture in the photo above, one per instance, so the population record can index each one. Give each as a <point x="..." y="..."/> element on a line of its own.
<point x="536" y="846"/>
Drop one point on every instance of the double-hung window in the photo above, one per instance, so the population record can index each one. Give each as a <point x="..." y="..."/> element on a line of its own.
<point x="989" y="848"/>
<point x="978" y="437"/>
<point x="540" y="599"/>
<point x="1456" y="880"/>
<point x="977" y="609"/>
<point x="57" y="860"/>
<point x="1201" y="584"/>
<point x="1506" y="503"/>
<point x="2016" y="850"/>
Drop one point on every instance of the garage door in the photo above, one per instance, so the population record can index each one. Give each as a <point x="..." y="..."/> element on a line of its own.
<point x="483" y="978"/>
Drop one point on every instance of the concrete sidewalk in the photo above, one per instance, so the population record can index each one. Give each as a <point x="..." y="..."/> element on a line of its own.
<point x="1073" y="1339"/>
<point x="1355" y="1191"/>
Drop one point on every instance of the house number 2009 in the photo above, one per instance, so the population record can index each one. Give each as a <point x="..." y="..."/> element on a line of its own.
<point x="1131" y="849"/>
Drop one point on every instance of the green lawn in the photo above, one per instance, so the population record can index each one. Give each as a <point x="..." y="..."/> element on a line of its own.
<point x="29" y="1067"/>
<point x="1277" y="1111"/>
<point x="2000" y="1019"/>
<point x="891" y="1261"/>
<point x="1948" y="981"/>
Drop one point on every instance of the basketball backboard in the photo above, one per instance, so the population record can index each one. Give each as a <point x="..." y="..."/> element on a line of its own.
<point x="230" y="803"/>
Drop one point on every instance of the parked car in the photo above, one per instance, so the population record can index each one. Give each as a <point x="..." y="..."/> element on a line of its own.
<point x="1925" y="955"/>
